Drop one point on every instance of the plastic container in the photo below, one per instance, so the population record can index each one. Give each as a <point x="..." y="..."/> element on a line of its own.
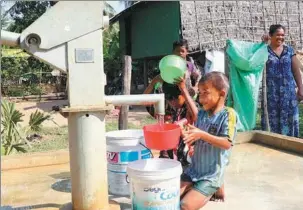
<point x="155" y="184"/>
<point x="172" y="67"/>
<point x="162" y="137"/>
<point x="123" y="147"/>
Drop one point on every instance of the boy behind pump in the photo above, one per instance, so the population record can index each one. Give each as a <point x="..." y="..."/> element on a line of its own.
<point x="213" y="134"/>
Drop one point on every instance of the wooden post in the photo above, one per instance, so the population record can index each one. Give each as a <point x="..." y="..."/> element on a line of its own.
<point x="229" y="101"/>
<point x="127" y="70"/>
<point x="226" y="60"/>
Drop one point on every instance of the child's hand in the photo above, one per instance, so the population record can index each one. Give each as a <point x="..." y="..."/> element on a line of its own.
<point x="180" y="82"/>
<point x="193" y="134"/>
<point x="157" y="78"/>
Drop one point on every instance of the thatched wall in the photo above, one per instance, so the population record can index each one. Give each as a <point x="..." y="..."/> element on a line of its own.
<point x="207" y="24"/>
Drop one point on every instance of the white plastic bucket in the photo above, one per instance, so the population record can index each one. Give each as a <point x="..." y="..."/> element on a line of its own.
<point x="123" y="146"/>
<point x="155" y="184"/>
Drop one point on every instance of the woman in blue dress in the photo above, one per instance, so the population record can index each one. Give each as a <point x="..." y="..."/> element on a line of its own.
<point x="283" y="83"/>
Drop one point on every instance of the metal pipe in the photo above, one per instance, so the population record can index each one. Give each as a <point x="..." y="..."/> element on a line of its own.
<point x="87" y="150"/>
<point x="10" y="38"/>
<point x="142" y="99"/>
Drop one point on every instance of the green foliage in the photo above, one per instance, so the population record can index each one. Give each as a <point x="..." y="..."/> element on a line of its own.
<point x="24" y="13"/>
<point x="36" y="119"/>
<point x="12" y="68"/>
<point x="111" y="50"/>
<point x="10" y="117"/>
<point x="13" y="136"/>
<point x="33" y="90"/>
<point x="16" y="68"/>
<point x="13" y="91"/>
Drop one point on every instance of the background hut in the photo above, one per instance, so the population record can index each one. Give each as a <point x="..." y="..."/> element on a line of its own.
<point x="148" y="29"/>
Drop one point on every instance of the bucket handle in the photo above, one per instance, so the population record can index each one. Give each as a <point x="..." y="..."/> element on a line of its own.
<point x="126" y="177"/>
<point x="147" y="149"/>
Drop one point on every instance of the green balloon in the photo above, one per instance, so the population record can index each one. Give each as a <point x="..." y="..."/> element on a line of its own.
<point x="172" y="67"/>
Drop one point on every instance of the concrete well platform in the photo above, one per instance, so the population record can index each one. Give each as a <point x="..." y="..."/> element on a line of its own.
<point x="258" y="177"/>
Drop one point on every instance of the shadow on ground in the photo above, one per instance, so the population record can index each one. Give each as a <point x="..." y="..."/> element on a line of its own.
<point x="38" y="206"/>
<point x="62" y="175"/>
<point x="46" y="106"/>
<point x="65" y="186"/>
<point x="123" y="201"/>
<point x="62" y="186"/>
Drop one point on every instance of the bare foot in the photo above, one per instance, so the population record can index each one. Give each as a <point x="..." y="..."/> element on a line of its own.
<point x="219" y="196"/>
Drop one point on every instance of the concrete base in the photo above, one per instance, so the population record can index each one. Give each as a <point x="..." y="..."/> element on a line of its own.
<point x="285" y="143"/>
<point x="113" y="205"/>
<point x="277" y="141"/>
<point x="258" y="177"/>
<point x="28" y="160"/>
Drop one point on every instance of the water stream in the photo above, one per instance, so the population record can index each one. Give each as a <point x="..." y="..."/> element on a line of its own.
<point x="160" y="119"/>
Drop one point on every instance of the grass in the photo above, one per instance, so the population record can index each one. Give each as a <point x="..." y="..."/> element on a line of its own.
<point x="56" y="138"/>
<point x="53" y="138"/>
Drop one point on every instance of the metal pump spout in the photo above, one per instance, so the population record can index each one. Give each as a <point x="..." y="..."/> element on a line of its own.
<point x="144" y="99"/>
<point x="10" y="38"/>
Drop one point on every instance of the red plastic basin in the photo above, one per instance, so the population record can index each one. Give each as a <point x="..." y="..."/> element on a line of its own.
<point x="163" y="137"/>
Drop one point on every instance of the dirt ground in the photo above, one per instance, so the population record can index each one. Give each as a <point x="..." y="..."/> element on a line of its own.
<point x="135" y="115"/>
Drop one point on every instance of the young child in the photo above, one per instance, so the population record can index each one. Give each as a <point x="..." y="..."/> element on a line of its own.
<point x="180" y="106"/>
<point x="213" y="135"/>
<point x="192" y="75"/>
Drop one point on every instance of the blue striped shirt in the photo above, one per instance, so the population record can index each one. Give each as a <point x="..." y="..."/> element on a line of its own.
<point x="208" y="161"/>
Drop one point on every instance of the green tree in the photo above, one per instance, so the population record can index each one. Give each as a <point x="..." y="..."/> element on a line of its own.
<point x="23" y="14"/>
<point x="111" y="51"/>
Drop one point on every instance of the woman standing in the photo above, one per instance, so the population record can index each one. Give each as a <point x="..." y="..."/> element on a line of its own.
<point x="284" y="84"/>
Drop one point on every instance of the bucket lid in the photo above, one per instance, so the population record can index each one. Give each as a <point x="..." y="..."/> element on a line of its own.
<point x="124" y="134"/>
<point x="154" y="169"/>
<point x="129" y="137"/>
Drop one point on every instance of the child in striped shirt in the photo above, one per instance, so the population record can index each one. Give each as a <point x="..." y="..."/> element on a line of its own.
<point x="213" y="134"/>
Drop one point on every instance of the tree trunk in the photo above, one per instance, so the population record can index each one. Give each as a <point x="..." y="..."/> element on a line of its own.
<point x="127" y="70"/>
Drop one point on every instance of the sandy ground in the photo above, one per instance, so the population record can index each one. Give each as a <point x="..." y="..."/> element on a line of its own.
<point x="258" y="177"/>
<point x="135" y="115"/>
